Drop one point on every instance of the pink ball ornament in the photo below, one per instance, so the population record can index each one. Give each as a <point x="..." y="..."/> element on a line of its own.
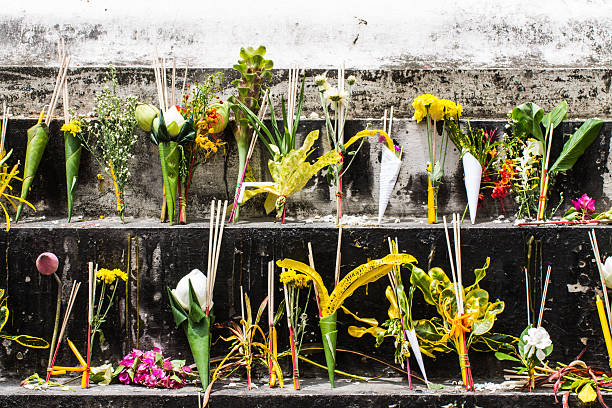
<point x="47" y="263"/>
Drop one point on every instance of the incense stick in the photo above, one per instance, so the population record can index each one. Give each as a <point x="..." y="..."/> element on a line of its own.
<point x="338" y="256"/>
<point x="215" y="237"/>
<point x="71" y="299"/>
<point x="5" y="113"/>
<point x="173" y="81"/>
<point x="242" y="302"/>
<point x="543" y="301"/>
<point x="385" y="121"/>
<point x="312" y="265"/>
<point x="390" y="122"/>
<point x="261" y="114"/>
<point x="184" y="79"/>
<point x="450" y="258"/>
<point x="528" y="297"/>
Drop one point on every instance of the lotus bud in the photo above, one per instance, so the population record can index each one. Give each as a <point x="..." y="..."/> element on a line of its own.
<point x="218" y="116"/>
<point x="198" y="281"/>
<point x="47" y="263"/>
<point x="174" y="121"/>
<point x="145" y="114"/>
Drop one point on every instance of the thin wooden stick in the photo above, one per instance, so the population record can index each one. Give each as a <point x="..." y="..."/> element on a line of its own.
<point x="312" y="265"/>
<point x="271" y="293"/>
<point x="173" y="81"/>
<point x="457" y="227"/>
<point x="338" y="256"/>
<point x="210" y="255"/>
<point x="5" y="113"/>
<point x="543" y="302"/>
<point x="71" y="299"/>
<point x="61" y="76"/>
<point x="390" y="122"/>
<point x="164" y="83"/>
<point x="65" y="103"/>
<point x="528" y="297"/>
<point x="450" y="258"/>
<point x="221" y="227"/>
<point x="242" y="302"/>
<point x="184" y="79"/>
<point x="385" y="121"/>
<point x="62" y="60"/>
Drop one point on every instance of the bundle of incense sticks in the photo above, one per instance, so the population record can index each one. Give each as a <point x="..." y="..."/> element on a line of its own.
<point x="71" y="299"/>
<point x="90" y="304"/>
<point x="215" y="237"/>
<point x="5" y="116"/>
<point x="262" y="112"/>
<point x="289" y="311"/>
<point x="464" y="360"/>
<point x="64" y="61"/>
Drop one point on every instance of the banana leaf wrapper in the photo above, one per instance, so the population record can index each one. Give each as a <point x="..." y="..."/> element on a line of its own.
<point x="38" y="137"/>
<point x="329" y="334"/>
<point x="72" y="148"/>
<point x="170" y="156"/>
<point x="197" y="328"/>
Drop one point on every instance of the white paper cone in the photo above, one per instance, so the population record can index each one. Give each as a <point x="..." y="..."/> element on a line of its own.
<point x="473" y="173"/>
<point x="414" y="345"/>
<point x="389" y="169"/>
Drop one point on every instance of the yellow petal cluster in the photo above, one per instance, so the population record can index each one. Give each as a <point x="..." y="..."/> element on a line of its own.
<point x="74" y="127"/>
<point x="437" y="109"/>
<point x="109" y="276"/>
<point x="299" y="280"/>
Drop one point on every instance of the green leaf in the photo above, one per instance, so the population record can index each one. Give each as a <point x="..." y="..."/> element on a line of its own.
<point x="528" y="117"/>
<point x="195" y="309"/>
<point x="577" y="144"/>
<point x="555" y="116"/>
<point x="503" y="356"/>
<point x="240" y="68"/>
<point x="479" y="274"/>
<point x="179" y="314"/>
<point x="483" y="325"/>
<point x="421" y="280"/>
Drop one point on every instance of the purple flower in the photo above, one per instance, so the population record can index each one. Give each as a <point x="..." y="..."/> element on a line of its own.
<point x="398" y="149"/>
<point x="124" y="377"/>
<point x="381" y="138"/>
<point x="167" y="364"/>
<point x="585" y="204"/>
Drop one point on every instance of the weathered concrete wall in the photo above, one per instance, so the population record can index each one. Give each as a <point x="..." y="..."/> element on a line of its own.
<point x="484" y="93"/>
<point x="468" y="33"/>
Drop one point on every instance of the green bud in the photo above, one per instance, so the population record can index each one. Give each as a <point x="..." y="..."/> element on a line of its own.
<point x="145" y="114"/>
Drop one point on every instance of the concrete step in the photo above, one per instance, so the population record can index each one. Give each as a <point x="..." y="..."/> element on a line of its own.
<point x="161" y="255"/>
<point x="386" y="393"/>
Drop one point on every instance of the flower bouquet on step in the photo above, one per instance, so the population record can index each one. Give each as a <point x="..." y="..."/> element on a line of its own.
<point x="478" y="149"/>
<point x="329" y="303"/>
<point x="192" y="299"/>
<point x="429" y="107"/>
<point x="113" y="135"/>
<point x="530" y="121"/>
<point x="38" y="135"/>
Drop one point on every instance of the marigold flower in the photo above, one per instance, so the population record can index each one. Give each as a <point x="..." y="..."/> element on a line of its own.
<point x="73" y="127"/>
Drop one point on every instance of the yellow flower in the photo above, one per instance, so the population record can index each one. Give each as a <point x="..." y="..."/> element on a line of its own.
<point x="451" y="109"/>
<point x="106" y="275"/>
<point x="287" y="276"/>
<point x="426" y="104"/>
<point x="120" y="274"/>
<point x="73" y="127"/>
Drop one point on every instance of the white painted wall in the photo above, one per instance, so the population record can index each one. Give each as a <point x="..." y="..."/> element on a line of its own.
<point x="313" y="33"/>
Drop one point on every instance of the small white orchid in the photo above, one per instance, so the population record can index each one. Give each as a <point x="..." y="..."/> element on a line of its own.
<point x="536" y="341"/>
<point x="607" y="272"/>
<point x="198" y="281"/>
<point x="533" y="148"/>
<point x="174" y="121"/>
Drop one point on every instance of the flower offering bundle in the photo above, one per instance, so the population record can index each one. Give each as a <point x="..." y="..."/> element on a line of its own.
<point x="72" y="150"/>
<point x="192" y="299"/>
<point x="433" y="109"/>
<point x="38" y="135"/>
<point x="329" y="303"/>
<point x="151" y="369"/>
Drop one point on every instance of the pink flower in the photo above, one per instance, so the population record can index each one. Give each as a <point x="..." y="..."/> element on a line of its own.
<point x="585" y="204"/>
<point x="124" y="377"/>
<point x="381" y="138"/>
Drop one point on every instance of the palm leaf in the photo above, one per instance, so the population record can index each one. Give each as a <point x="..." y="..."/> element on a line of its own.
<point x="38" y="137"/>
<point x="577" y="144"/>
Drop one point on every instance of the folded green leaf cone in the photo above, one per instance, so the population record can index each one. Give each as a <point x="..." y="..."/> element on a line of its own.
<point x="72" y="148"/>
<point x="38" y="137"/>
<point x="197" y="328"/>
<point x="329" y="334"/>
<point x="170" y="156"/>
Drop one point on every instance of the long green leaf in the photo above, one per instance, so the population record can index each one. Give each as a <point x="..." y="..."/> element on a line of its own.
<point x="261" y="129"/>
<point x="170" y="157"/>
<point x="72" y="152"/>
<point x="555" y="116"/>
<point x="38" y="137"/>
<point x="577" y="144"/>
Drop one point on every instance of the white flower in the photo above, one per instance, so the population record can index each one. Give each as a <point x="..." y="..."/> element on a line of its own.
<point x="334" y="97"/>
<point x="174" y="121"/>
<point x="321" y="82"/>
<point x="533" y="148"/>
<point x="198" y="281"/>
<point x="351" y="80"/>
<point x="607" y="271"/>
<point x="536" y="340"/>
